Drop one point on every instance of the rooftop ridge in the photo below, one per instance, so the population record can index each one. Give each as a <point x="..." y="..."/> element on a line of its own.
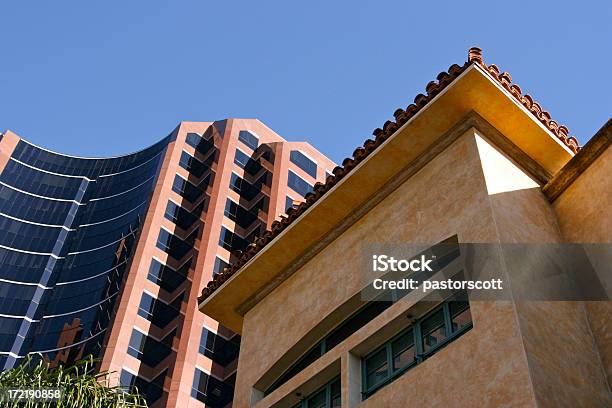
<point x="433" y="88"/>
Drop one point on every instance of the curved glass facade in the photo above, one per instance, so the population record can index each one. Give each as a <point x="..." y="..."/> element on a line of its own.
<point x="68" y="228"/>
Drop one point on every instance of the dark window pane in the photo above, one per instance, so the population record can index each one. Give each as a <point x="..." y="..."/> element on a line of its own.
<point x="296" y="183"/>
<point x="241" y="159"/>
<point x="248" y="139"/>
<point x="377" y="369"/>
<point x="433" y="331"/>
<point x="460" y="315"/>
<point x="220" y="264"/>
<point x="288" y="203"/>
<point x="318" y="400"/>
<point x="336" y="400"/>
<point x="403" y="350"/>
<point x="303" y="162"/>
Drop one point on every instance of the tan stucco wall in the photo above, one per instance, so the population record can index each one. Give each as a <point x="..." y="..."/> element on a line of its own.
<point x="584" y="214"/>
<point x="448" y="196"/>
<point x="563" y="358"/>
<point x="509" y="358"/>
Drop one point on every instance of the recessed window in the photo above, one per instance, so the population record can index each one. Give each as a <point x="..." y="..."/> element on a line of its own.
<point x="327" y="396"/>
<point x="288" y="203"/>
<point x="145" y="308"/>
<point x="298" y="185"/>
<point x="211" y="391"/>
<point x="248" y="139"/>
<point x="303" y="162"/>
<point x="241" y="159"/>
<point x="217" y="348"/>
<point x="236" y="183"/>
<point x="231" y="241"/>
<point x="136" y="345"/>
<point x="193" y="139"/>
<point x="231" y="210"/>
<point x="166" y="277"/>
<point x="185" y="189"/>
<point x="220" y="264"/>
<point x="415" y="344"/>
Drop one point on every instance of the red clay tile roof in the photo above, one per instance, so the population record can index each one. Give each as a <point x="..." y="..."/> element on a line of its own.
<point x="380" y="135"/>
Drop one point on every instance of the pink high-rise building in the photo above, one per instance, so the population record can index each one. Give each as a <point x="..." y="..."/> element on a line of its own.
<point x="206" y="191"/>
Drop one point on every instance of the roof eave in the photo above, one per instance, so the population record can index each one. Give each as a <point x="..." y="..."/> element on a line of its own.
<point x="472" y="90"/>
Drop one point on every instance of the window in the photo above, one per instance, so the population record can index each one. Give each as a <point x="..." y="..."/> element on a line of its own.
<point x="192" y="165"/>
<point x="145" y="308"/>
<point x="179" y="215"/>
<point x="185" y="189"/>
<point x="288" y="203"/>
<point x="231" y="241"/>
<point x="166" y="277"/>
<point x="152" y="391"/>
<point x="415" y="344"/>
<point x="327" y="396"/>
<point x="444" y="253"/>
<point x="241" y="159"/>
<point x="236" y="183"/>
<point x="136" y="345"/>
<point x="240" y="215"/>
<point x="146" y="349"/>
<point x="211" y="391"/>
<point x="220" y="264"/>
<point x="298" y="184"/>
<point x="231" y="210"/>
<point x="248" y="139"/>
<point x="299" y="159"/>
<point x="156" y="311"/>
<point x="342" y="332"/>
<point x="218" y="349"/>
<point x="193" y="139"/>
<point x="173" y="245"/>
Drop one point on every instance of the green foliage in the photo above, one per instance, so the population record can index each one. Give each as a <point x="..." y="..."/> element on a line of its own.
<point x="81" y="386"/>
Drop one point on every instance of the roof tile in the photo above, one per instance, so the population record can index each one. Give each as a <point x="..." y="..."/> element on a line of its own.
<point x="380" y="135"/>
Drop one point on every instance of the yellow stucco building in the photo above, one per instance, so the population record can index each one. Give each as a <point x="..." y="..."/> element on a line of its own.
<point x="475" y="159"/>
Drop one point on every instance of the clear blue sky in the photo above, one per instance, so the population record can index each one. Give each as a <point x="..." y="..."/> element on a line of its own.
<point x="110" y="77"/>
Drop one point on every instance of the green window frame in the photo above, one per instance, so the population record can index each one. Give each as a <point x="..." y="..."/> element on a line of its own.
<point x="327" y="396"/>
<point x="415" y="344"/>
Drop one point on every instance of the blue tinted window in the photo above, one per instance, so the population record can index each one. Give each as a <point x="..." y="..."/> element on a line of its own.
<point x="94" y="249"/>
<point x="241" y="159"/>
<point x="211" y="391"/>
<point x="303" y="162"/>
<point x="288" y="203"/>
<point x="296" y="183"/>
<point x="220" y="264"/>
<point x="248" y="139"/>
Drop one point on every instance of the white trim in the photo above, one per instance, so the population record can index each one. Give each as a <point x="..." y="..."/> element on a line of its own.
<point x="92" y="158"/>
<point x="36" y="223"/>
<point x="103" y="246"/>
<point x="305" y="154"/>
<point x="19" y="317"/>
<point x="26" y="283"/>
<point x="39" y="196"/>
<point x="70" y="345"/>
<point x="114" y="218"/>
<point x="80" y="310"/>
<point x="50" y="172"/>
<point x="91" y="277"/>
<point x="31" y="252"/>
<point x="132" y="168"/>
<point x="123" y="192"/>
